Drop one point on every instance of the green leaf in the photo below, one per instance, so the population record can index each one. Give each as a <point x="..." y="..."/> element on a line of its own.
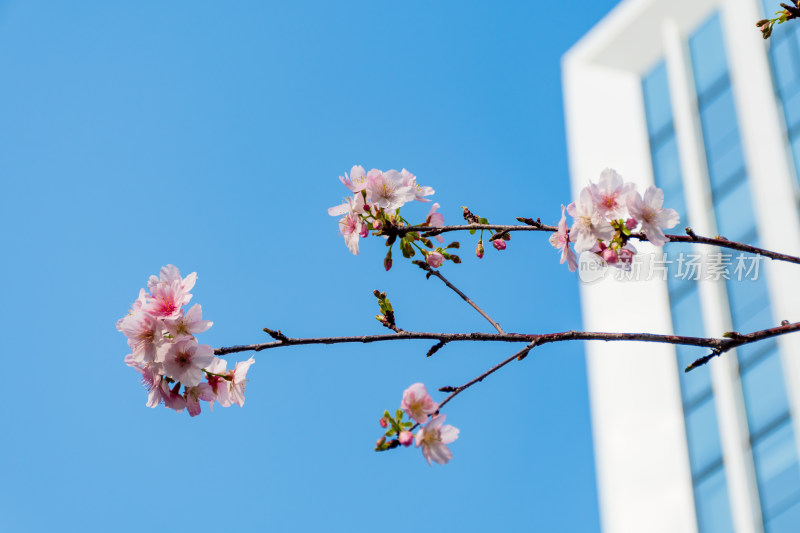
<point x="472" y="232"/>
<point x="399" y="414"/>
<point x="483" y="220"/>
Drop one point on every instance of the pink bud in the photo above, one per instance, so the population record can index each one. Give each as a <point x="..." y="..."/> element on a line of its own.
<point x="610" y="256"/>
<point x="434" y="259"/>
<point x="406" y="438"/>
<point x="383" y="423"/>
<point x="479" y="250"/>
<point x="376" y="224"/>
<point x="364" y="231"/>
<point x="631" y="223"/>
<point x="387" y="263"/>
<point x="500" y="244"/>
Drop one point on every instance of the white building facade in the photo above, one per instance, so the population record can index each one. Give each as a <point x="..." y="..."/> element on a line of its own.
<point x="686" y="95"/>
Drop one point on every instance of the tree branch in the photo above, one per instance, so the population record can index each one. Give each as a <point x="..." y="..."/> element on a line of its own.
<point x="718" y="346"/>
<point x="535" y="225"/>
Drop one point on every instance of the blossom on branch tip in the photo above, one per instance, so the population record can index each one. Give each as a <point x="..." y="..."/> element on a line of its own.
<point x="560" y="241"/>
<point x="434" y="438"/>
<point x="411" y="181"/>
<point x="350" y="227"/>
<point x="610" y="194"/>
<point x="185" y="361"/>
<point x="588" y="225"/>
<point x="387" y="190"/>
<point x="648" y="211"/>
<point x="357" y="181"/>
<point x="417" y="403"/>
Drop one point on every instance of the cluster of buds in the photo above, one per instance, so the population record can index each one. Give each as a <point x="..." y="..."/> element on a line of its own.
<point x="789" y="12"/>
<point x="498" y="240"/>
<point x="604" y="217"/>
<point x="375" y="206"/>
<point x="165" y="352"/>
<point x="433" y="436"/>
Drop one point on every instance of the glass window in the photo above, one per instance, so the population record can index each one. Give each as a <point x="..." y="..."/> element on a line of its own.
<point x="764" y="393"/>
<point x="708" y="54"/>
<point x="713" y="509"/>
<point x="735" y="217"/>
<point x="657" y="105"/>
<point x="703" y="436"/>
<point x="777" y="471"/>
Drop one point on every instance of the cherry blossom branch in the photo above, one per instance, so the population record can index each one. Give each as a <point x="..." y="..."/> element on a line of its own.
<point x="535" y="225"/>
<point x="729" y="341"/>
<point x="432" y="272"/>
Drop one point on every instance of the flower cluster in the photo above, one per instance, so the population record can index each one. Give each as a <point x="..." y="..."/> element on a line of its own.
<point x="166" y="354"/>
<point x="605" y="215"/>
<point x="433" y="436"/>
<point x="375" y="206"/>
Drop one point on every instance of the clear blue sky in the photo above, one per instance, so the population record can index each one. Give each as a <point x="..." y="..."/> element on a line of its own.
<point x="210" y="135"/>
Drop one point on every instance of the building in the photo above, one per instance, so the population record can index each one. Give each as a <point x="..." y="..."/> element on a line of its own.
<point x="687" y="95"/>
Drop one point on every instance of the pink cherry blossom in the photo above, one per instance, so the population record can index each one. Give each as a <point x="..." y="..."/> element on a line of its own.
<point x="435" y="220"/>
<point x="417" y="403"/>
<point x="588" y="225"/>
<point x="189" y="324"/>
<point x="217" y="380"/>
<point x="185" y="360"/>
<point x="350" y="227"/>
<point x="387" y="191"/>
<point x="610" y="194"/>
<point x="434" y="439"/>
<point x="238" y="382"/>
<point x="434" y="259"/>
<point x="193" y="396"/>
<point x="560" y="241"/>
<point x="651" y="215"/>
<point x="170" y="274"/>
<point x="145" y="335"/>
<point x="411" y="181"/>
<point x="357" y="181"/>
<point x="353" y="205"/>
<point x="166" y="299"/>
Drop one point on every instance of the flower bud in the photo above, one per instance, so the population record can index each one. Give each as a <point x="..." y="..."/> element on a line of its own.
<point x="434" y="259"/>
<point x="380" y="442"/>
<point x="479" y="250"/>
<point x="406" y="438"/>
<point x="377" y="224"/>
<point x="631" y="223"/>
<point x="383" y="423"/>
<point x="499" y="244"/>
<point x="610" y="256"/>
<point x="364" y="231"/>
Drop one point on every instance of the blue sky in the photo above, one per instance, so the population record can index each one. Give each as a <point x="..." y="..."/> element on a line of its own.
<point x="210" y="136"/>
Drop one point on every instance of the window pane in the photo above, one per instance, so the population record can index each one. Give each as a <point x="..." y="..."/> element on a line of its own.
<point x="703" y="436"/>
<point x="708" y="55"/>
<point x="777" y="471"/>
<point x="713" y="509"/>
<point x="764" y="393"/>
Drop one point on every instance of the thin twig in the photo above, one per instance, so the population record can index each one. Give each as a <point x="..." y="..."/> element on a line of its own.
<point x="520" y="355"/>
<point x="432" y="272"/>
